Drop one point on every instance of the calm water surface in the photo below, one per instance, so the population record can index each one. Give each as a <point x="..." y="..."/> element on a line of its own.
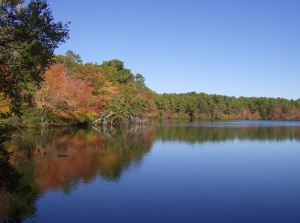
<point x="241" y="171"/>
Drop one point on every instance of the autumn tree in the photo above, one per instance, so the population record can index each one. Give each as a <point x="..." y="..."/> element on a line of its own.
<point x="28" y="37"/>
<point x="65" y="99"/>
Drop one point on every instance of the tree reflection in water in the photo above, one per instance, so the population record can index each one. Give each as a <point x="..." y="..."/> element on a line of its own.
<point x="34" y="161"/>
<point x="61" y="159"/>
<point x="14" y="190"/>
<point x="214" y="132"/>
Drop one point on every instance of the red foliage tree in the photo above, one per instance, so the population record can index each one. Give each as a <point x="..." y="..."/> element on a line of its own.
<point x="65" y="97"/>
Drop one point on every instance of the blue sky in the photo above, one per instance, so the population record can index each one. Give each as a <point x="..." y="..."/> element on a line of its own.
<point x="228" y="47"/>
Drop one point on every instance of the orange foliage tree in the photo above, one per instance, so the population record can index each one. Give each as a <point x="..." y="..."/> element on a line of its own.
<point x="65" y="98"/>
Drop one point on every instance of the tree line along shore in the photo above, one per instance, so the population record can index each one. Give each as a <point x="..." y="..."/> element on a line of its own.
<point x="109" y="94"/>
<point x="40" y="88"/>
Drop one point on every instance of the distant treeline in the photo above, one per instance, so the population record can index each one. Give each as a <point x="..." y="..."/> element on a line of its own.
<point x="214" y="107"/>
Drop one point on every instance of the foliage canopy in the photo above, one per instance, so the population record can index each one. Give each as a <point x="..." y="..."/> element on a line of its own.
<point x="28" y="38"/>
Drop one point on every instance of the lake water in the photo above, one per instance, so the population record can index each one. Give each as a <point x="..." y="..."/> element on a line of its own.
<point x="241" y="171"/>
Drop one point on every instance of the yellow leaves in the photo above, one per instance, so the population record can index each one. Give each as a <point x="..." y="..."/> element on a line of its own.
<point x="109" y="90"/>
<point x="4" y="104"/>
<point x="256" y="116"/>
<point x="84" y="115"/>
<point x="11" y="148"/>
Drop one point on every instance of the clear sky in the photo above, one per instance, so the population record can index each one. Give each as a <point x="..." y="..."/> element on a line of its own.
<point x="228" y="47"/>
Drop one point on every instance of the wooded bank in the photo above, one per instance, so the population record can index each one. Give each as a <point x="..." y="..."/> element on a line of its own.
<point x="39" y="88"/>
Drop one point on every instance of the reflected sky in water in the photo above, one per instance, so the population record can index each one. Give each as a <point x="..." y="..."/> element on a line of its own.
<point x="182" y="172"/>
